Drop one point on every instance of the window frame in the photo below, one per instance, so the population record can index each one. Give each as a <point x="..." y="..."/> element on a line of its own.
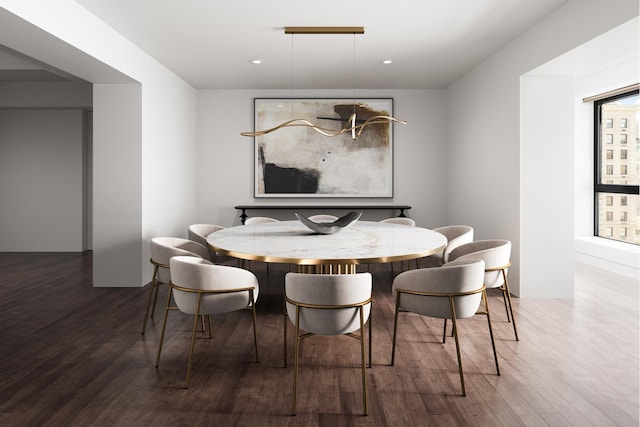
<point x="599" y="144"/>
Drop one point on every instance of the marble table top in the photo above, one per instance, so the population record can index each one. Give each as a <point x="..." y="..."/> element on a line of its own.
<point x="292" y="243"/>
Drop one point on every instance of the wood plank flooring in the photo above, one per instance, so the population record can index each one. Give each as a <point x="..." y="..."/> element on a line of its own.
<point x="72" y="355"/>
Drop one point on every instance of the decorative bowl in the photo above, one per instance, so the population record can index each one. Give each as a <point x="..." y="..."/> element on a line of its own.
<point x="341" y="223"/>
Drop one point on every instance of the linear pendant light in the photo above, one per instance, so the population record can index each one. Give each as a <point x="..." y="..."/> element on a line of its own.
<point x="351" y="125"/>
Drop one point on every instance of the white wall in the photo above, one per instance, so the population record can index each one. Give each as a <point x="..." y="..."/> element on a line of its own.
<point x="41" y="168"/>
<point x="42" y="142"/>
<point x="225" y="159"/>
<point x="552" y="91"/>
<point x="154" y="150"/>
<point x="546" y="184"/>
<point x="484" y="135"/>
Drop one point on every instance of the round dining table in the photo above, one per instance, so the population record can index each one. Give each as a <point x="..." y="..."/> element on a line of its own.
<point x="291" y="242"/>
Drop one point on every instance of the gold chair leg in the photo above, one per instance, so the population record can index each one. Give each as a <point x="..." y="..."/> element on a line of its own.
<point x="370" y="341"/>
<point x="154" y="286"/>
<point x="164" y="326"/>
<point x="193" y="340"/>
<point x="453" y="320"/>
<point x="444" y="332"/>
<point x="202" y="323"/>
<point x="506" y="304"/>
<point x="364" y="370"/>
<point x="284" y="353"/>
<point x="295" y="363"/>
<point x="493" y="343"/>
<point x="508" y="292"/>
<point x="255" y="330"/>
<point x="209" y="324"/>
<point x="395" y="329"/>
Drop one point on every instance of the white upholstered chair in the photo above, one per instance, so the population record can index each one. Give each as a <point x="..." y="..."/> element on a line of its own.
<point x="497" y="258"/>
<point x="328" y="304"/>
<point x="201" y="288"/>
<point x="162" y="249"/>
<point x="456" y="235"/>
<point x="323" y="218"/>
<point x="400" y="220"/>
<point x="258" y="219"/>
<point x="403" y="221"/>
<point x="200" y="232"/>
<point x="453" y="291"/>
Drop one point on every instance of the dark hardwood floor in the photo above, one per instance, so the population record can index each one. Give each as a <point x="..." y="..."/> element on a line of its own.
<point x="72" y="355"/>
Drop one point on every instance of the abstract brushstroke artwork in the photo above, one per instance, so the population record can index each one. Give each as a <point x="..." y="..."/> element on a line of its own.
<point x="300" y="162"/>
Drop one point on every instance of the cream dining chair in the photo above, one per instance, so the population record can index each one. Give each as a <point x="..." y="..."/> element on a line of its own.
<point x="453" y="291"/>
<point x="162" y="249"/>
<point x="256" y="220"/>
<point x="201" y="288"/>
<point x="199" y="233"/>
<point x="328" y="304"/>
<point x="497" y="258"/>
<point x="403" y="221"/>
<point x="456" y="235"/>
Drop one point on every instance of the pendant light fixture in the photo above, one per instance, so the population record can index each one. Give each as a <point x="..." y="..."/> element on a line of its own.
<point x="352" y="126"/>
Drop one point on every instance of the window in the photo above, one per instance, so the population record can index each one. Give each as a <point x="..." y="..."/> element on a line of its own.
<point x="615" y="183"/>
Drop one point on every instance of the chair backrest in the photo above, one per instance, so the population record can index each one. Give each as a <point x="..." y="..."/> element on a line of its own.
<point x="323" y="218"/>
<point x="163" y="248"/>
<point x="456" y="235"/>
<point x="199" y="274"/>
<point x="258" y="219"/>
<point x="452" y="278"/>
<point x="328" y="290"/>
<point x="200" y="232"/>
<point x="400" y="220"/>
<point x="495" y="254"/>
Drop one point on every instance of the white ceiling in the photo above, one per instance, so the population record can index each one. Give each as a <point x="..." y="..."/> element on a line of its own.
<point x="209" y="43"/>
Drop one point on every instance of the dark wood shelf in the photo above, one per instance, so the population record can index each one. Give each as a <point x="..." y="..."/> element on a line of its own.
<point x="245" y="208"/>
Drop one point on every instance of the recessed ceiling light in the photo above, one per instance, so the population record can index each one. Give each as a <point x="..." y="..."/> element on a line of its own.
<point x="255" y="61"/>
<point x="386" y="61"/>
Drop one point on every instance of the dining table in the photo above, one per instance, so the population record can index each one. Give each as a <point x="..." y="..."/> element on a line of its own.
<point x="291" y="242"/>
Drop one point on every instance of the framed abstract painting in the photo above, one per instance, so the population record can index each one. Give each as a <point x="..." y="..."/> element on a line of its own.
<point x="298" y="161"/>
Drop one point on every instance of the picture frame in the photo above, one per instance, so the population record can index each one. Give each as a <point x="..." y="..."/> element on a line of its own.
<point x="298" y="161"/>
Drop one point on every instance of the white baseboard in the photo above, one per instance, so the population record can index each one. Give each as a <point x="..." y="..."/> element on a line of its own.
<point x="617" y="257"/>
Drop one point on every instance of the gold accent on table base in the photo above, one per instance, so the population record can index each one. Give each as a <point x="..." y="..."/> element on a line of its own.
<point x="328" y="269"/>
